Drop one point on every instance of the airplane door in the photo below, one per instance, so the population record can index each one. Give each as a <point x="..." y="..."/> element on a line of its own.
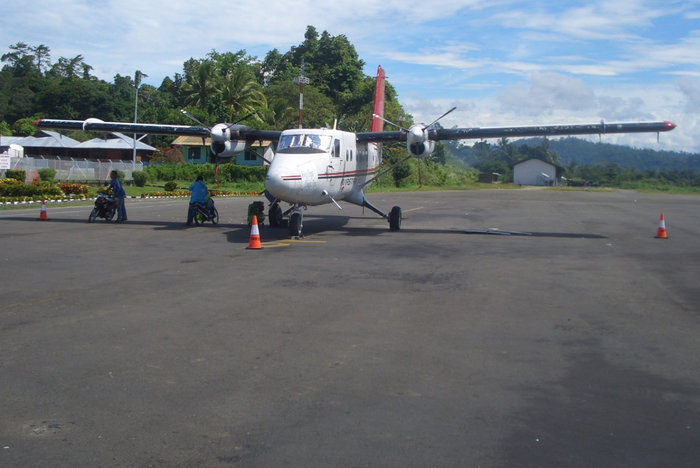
<point x="336" y="165"/>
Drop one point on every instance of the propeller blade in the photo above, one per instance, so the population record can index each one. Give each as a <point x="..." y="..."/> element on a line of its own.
<point x="191" y="117"/>
<point x="388" y="121"/>
<point x="242" y="119"/>
<point x="443" y="115"/>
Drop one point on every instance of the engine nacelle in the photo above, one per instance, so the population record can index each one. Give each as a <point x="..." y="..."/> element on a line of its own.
<point x="226" y="149"/>
<point x="221" y="143"/>
<point x="417" y="142"/>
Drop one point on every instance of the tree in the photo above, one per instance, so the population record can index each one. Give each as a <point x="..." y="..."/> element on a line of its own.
<point x="283" y="97"/>
<point x="274" y="68"/>
<point x="71" y="68"/>
<point x="241" y="93"/>
<point x="22" y="59"/>
<point x="337" y="66"/>
<point x="201" y="86"/>
<point x="24" y="127"/>
<point x="42" y="58"/>
<point x="5" y="129"/>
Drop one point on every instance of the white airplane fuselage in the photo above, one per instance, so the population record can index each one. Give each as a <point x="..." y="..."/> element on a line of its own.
<point x="317" y="166"/>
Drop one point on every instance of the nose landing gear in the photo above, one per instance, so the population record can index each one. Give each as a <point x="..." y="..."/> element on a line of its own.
<point x="296" y="223"/>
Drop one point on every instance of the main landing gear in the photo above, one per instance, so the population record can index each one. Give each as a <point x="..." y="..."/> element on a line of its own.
<point x="295" y="224"/>
<point x="395" y="219"/>
<point x="296" y="217"/>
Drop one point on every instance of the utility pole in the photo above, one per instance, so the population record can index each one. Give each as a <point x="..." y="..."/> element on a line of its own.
<point x="302" y="80"/>
<point x="137" y="82"/>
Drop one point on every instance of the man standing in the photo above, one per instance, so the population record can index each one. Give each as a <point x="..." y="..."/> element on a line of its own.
<point x="118" y="192"/>
<point x="199" y="195"/>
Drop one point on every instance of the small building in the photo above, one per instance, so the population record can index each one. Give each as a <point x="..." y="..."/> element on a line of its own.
<point x="43" y="143"/>
<point x="537" y="172"/>
<point x="114" y="146"/>
<point x="488" y="177"/>
<point x="195" y="150"/>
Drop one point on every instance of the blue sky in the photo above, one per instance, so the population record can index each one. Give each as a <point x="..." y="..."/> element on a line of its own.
<point x="501" y="62"/>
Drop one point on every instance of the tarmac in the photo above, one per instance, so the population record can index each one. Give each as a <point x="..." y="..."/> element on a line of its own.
<point x="498" y="328"/>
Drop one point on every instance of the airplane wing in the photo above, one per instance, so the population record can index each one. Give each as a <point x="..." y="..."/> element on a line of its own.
<point x="438" y="134"/>
<point x="230" y="139"/>
<point x="239" y="132"/>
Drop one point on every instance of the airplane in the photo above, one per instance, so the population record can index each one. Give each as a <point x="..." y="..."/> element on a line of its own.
<point x="321" y="166"/>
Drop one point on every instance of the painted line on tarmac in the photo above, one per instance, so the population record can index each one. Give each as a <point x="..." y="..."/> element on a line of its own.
<point x="305" y="241"/>
<point x="272" y="245"/>
<point x="287" y="243"/>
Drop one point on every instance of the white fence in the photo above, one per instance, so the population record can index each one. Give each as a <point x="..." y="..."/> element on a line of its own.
<point x="73" y="169"/>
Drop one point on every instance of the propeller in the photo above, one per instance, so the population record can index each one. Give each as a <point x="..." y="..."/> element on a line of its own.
<point x="443" y="115"/>
<point x="405" y="130"/>
<point x="193" y="118"/>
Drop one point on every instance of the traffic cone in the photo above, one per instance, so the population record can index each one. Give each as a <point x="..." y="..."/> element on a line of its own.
<point x="254" y="242"/>
<point x="661" y="232"/>
<point x="43" y="216"/>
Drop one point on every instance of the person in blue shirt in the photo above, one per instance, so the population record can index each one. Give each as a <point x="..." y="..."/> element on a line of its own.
<point x="118" y="193"/>
<point x="199" y="195"/>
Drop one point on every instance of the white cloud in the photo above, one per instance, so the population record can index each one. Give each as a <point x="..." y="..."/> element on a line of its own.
<point x="547" y="93"/>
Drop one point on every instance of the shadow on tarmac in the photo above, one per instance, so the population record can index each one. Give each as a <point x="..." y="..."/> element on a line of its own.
<point x="313" y="225"/>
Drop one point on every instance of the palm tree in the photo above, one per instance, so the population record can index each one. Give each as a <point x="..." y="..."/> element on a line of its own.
<point x="240" y="92"/>
<point x="198" y="92"/>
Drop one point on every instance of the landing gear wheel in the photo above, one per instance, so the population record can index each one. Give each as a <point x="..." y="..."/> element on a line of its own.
<point x="395" y="219"/>
<point x="214" y="216"/>
<point x="295" y="225"/>
<point x="275" y="215"/>
<point x="93" y="215"/>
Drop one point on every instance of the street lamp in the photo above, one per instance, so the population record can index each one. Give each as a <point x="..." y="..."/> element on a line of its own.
<point x="137" y="82"/>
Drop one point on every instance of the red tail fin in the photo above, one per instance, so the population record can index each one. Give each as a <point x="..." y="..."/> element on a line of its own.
<point x="377" y="123"/>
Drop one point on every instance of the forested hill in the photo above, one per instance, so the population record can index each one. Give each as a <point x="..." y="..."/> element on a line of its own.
<point x="587" y="153"/>
<point x="576" y="151"/>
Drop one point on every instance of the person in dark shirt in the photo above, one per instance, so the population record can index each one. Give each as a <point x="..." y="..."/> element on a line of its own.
<point x="199" y="195"/>
<point x="118" y="192"/>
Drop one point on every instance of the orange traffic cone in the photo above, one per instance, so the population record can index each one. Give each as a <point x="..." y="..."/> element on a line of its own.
<point x="661" y="232"/>
<point x="254" y="242"/>
<point x="43" y="216"/>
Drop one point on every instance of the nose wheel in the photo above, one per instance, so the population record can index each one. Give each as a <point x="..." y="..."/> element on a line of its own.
<point x="296" y="224"/>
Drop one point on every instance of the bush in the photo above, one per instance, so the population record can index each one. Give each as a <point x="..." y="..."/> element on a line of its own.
<point x="16" y="174"/>
<point x="140" y="178"/>
<point x="75" y="189"/>
<point x="47" y="174"/>
<point x="15" y="188"/>
<point x="236" y="173"/>
<point x="8" y="187"/>
<point x="170" y="186"/>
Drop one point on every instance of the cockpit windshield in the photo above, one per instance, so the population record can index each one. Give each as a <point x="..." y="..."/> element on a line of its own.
<point x="305" y="140"/>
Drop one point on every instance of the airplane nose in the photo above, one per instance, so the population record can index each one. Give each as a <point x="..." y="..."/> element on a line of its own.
<point x="278" y="182"/>
<point x="273" y="181"/>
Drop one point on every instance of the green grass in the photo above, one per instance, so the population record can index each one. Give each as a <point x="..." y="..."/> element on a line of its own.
<point x="133" y="191"/>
